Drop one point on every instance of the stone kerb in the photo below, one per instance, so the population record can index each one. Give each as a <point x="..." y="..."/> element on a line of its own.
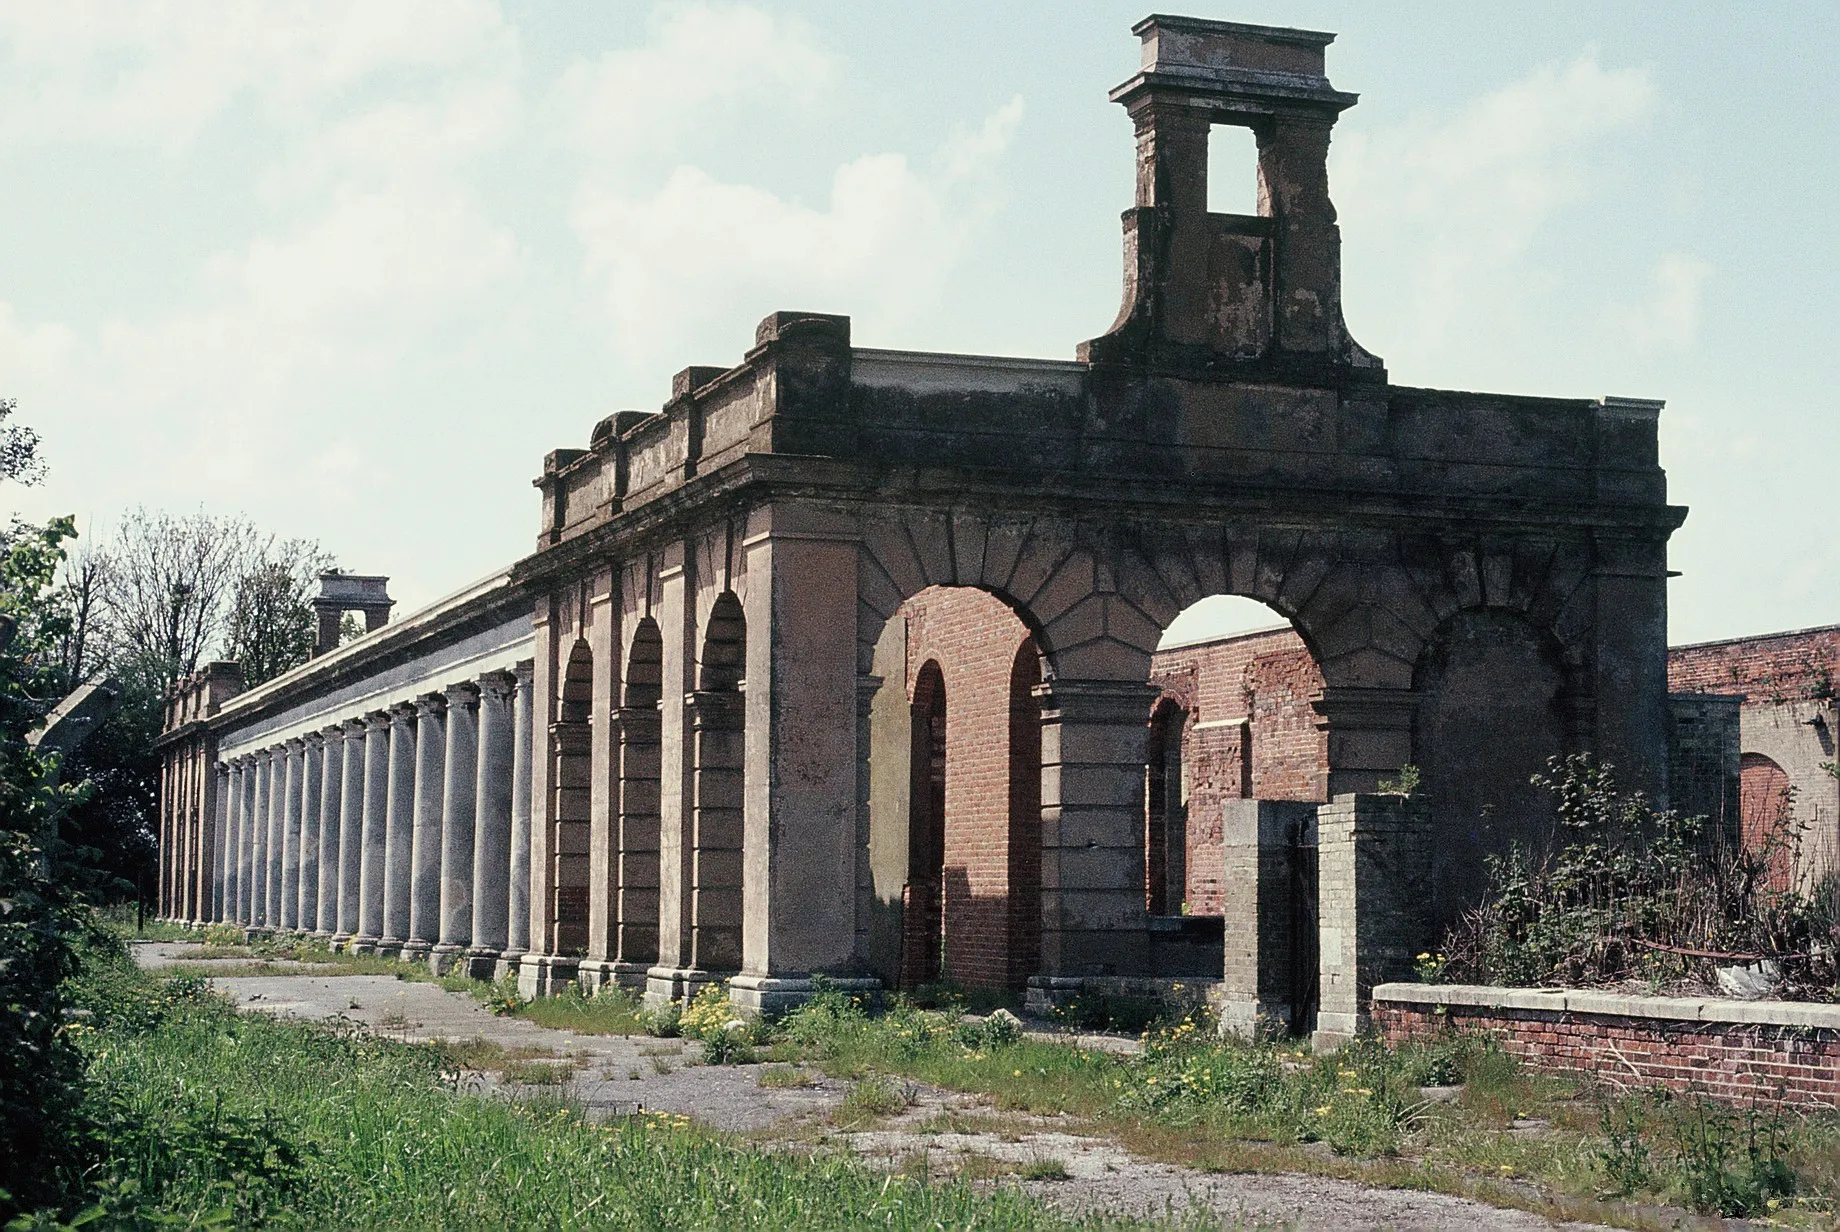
<point x="1373" y="904"/>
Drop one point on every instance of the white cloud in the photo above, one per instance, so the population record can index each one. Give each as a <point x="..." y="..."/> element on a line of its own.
<point x="1669" y="319"/>
<point x="1442" y="212"/>
<point x="700" y="60"/>
<point x="157" y="71"/>
<point x="699" y="251"/>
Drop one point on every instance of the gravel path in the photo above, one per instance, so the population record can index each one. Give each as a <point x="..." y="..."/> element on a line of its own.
<point x="620" y="1075"/>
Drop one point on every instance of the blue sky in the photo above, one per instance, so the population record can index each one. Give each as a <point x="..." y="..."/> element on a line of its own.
<point x="352" y="269"/>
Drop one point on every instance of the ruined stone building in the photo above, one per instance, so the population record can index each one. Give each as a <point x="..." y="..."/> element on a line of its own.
<point x="841" y="662"/>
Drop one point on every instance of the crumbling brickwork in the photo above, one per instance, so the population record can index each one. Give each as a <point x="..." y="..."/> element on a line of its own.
<point x="1251" y="734"/>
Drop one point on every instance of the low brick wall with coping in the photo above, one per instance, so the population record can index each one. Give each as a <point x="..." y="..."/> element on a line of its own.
<point x="1731" y="1050"/>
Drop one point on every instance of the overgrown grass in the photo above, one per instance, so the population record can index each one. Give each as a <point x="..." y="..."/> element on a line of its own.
<point x="214" y="1119"/>
<point x="1197" y="1099"/>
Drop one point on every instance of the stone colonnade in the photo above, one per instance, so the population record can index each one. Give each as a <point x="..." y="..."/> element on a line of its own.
<point x="397" y="830"/>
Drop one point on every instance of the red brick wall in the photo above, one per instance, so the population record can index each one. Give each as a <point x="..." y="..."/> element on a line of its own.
<point x="1730" y="1061"/>
<point x="974" y="638"/>
<point x="1777" y="667"/>
<point x="1251" y="735"/>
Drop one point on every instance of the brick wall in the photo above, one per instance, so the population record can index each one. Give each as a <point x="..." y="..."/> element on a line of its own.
<point x="1640" y="1042"/>
<point x="974" y="638"/>
<point x="1776" y="667"/>
<point x="1251" y="734"/>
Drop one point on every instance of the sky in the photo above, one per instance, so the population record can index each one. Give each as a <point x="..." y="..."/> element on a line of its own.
<point x="351" y="269"/>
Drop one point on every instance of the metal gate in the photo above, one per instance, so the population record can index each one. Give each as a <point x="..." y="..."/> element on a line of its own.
<point x="1303" y="942"/>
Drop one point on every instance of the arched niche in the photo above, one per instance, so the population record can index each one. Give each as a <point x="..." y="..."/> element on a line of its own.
<point x="1490" y="715"/>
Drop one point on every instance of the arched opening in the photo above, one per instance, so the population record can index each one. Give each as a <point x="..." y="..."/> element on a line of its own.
<point x="923" y="897"/>
<point x="953" y="808"/>
<point x="1489" y="718"/>
<point x="718" y="790"/>
<point x="640" y="731"/>
<point x="1765" y="813"/>
<point x="570" y="808"/>
<point x="1236" y="763"/>
<point x="1166" y="812"/>
<point x="1235" y="721"/>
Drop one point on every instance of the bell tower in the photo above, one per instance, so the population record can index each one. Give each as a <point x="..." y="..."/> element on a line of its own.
<point x="1259" y="294"/>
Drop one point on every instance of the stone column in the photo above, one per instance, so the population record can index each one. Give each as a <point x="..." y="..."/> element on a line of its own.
<point x="399" y="830"/>
<point x="492" y="823"/>
<point x="517" y="900"/>
<point x="220" y="838"/>
<point x="267" y="852"/>
<point x="425" y="837"/>
<point x="1370" y="735"/>
<point x="1094" y="919"/>
<point x="312" y="783"/>
<point x="233" y="841"/>
<point x="351" y="831"/>
<point x="374" y="828"/>
<point x="332" y="778"/>
<point x="246" y="842"/>
<point x="1259" y="839"/>
<point x="799" y="734"/>
<point x="459" y="812"/>
<point x="1373" y="897"/>
<point x="288" y="914"/>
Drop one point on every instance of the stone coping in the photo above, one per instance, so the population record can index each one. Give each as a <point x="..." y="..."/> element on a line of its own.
<point x="1586" y="1001"/>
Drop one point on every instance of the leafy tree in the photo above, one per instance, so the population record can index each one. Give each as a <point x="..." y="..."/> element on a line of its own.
<point x="41" y="911"/>
<point x="272" y="625"/>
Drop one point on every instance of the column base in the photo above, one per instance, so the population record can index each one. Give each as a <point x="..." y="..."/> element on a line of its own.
<point x="1336" y="1031"/>
<point x="1253" y="1020"/>
<point x="1048" y="993"/>
<point x="507" y="964"/>
<point x="416" y="951"/>
<point x="480" y="964"/>
<point x="445" y="956"/>
<point x="664" y="985"/>
<point x="598" y="973"/>
<point x="390" y="947"/>
<point x="545" y="975"/>
<point x="771" y="996"/>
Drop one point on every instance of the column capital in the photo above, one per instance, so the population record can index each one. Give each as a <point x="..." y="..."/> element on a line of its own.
<point x="463" y="693"/>
<point x="525" y="673"/>
<point x="428" y="704"/>
<point x="354" y="726"/>
<point x="333" y="733"/>
<point x="497" y="685"/>
<point x="376" y="720"/>
<point x="1097" y="701"/>
<point x="402" y="714"/>
<point x="1366" y="709"/>
<point x="293" y="746"/>
<point x="312" y="738"/>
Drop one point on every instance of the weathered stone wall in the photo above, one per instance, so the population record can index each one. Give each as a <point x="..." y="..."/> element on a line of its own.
<point x="1738" y="1051"/>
